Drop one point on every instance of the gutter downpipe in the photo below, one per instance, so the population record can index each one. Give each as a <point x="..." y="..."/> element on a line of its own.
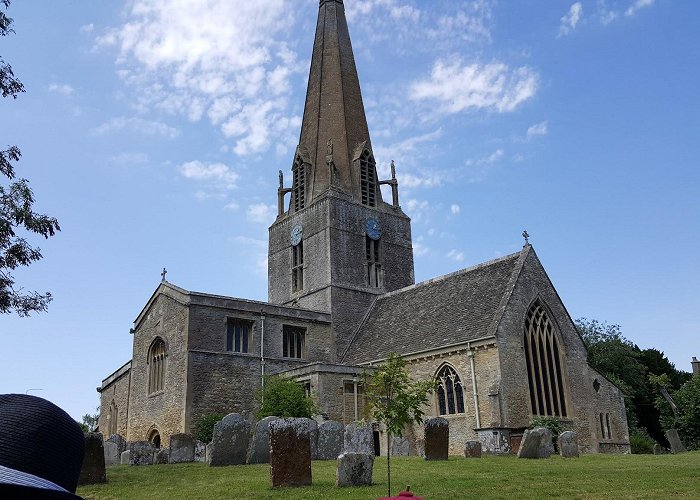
<point x="262" y="353"/>
<point x="470" y="354"/>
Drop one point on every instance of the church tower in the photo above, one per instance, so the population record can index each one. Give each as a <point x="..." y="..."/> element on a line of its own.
<point x="336" y="245"/>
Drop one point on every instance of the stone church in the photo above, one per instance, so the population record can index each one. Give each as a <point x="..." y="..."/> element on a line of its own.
<point x="342" y="297"/>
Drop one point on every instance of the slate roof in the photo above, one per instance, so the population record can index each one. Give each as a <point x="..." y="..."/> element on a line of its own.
<point x="444" y="311"/>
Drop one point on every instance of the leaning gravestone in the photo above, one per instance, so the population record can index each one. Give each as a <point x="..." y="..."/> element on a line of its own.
<point x="182" y="448"/>
<point x="330" y="440"/>
<point x="259" y="451"/>
<point x="400" y="446"/>
<point x="567" y="443"/>
<point x="161" y="456"/>
<point x="93" y="470"/>
<point x="290" y="452"/>
<point x="141" y="453"/>
<point x="354" y="469"/>
<point x="229" y="445"/>
<point x="119" y="440"/>
<point x="536" y="443"/>
<point x="112" y="455"/>
<point x="125" y="457"/>
<point x="358" y="438"/>
<point x="437" y="438"/>
<point x="472" y="449"/>
<point x="674" y="440"/>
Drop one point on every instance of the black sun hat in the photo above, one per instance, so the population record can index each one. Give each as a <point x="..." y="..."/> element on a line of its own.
<point x="41" y="449"/>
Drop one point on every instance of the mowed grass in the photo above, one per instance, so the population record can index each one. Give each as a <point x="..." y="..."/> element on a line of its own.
<point x="590" y="476"/>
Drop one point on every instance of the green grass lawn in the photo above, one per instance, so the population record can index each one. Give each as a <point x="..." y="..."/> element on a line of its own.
<point x="591" y="476"/>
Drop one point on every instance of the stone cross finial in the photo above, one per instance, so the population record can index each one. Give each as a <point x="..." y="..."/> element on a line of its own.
<point x="163" y="274"/>
<point x="527" y="237"/>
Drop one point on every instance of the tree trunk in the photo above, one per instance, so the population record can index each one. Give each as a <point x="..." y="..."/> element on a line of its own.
<point x="388" y="463"/>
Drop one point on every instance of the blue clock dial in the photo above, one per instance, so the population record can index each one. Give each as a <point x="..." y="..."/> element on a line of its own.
<point x="296" y="234"/>
<point x="373" y="229"/>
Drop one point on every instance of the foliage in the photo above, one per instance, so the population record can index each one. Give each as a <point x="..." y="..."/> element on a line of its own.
<point x="89" y="422"/>
<point x="394" y="400"/>
<point x="641" y="442"/>
<point x="551" y="423"/>
<point x="204" y="427"/>
<point x="282" y="397"/>
<point x="687" y="400"/>
<point x="16" y="214"/>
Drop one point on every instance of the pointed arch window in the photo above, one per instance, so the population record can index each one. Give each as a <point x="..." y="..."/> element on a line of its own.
<point x="112" y="425"/>
<point x="374" y="263"/>
<point x="298" y="184"/>
<point x="368" y="179"/>
<point x="544" y="364"/>
<point x="450" y="393"/>
<point x="156" y="370"/>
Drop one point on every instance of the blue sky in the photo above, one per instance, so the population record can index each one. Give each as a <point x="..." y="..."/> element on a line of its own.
<point x="154" y="129"/>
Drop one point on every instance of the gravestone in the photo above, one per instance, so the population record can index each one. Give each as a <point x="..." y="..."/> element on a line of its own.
<point x="472" y="449"/>
<point x="437" y="438"/>
<point x="290" y="452"/>
<point x="112" y="455"/>
<point x="161" y="456"/>
<point x="229" y="445"/>
<point x="200" y="452"/>
<point x="313" y="436"/>
<point x="125" y="457"/>
<point x="354" y="469"/>
<point x="141" y="453"/>
<point x="259" y="451"/>
<point x="658" y="450"/>
<point x="536" y="443"/>
<point x="330" y="440"/>
<point x="568" y="444"/>
<point x="119" y="440"/>
<point x="93" y="469"/>
<point x="182" y="448"/>
<point x="400" y="446"/>
<point x="358" y="438"/>
<point x="674" y="440"/>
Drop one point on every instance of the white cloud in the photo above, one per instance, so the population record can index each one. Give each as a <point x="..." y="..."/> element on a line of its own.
<point x="261" y="213"/>
<point x="258" y="253"/>
<point x="487" y="160"/>
<point x="537" y="130"/>
<point x="637" y="6"/>
<point x="455" y="255"/>
<point x="455" y="87"/>
<point x="416" y="209"/>
<point x="61" y="88"/>
<point x="218" y="174"/>
<point x="571" y="19"/>
<point x="419" y="248"/>
<point x="233" y="206"/>
<point x="139" y="125"/>
<point x="479" y="168"/>
<point x="87" y="28"/>
<point x="455" y="209"/>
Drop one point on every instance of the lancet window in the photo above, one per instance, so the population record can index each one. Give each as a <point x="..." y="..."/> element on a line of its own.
<point x="112" y="425"/>
<point x="293" y="340"/>
<point x="374" y="264"/>
<point x="450" y="393"/>
<point x="298" y="267"/>
<point x="298" y="184"/>
<point x="368" y="179"/>
<point x="156" y="369"/>
<point x="544" y="364"/>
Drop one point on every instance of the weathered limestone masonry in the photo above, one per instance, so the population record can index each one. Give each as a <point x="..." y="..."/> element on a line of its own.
<point x="114" y="401"/>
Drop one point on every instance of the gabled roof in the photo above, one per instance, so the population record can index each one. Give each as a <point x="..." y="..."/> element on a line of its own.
<point x="452" y="309"/>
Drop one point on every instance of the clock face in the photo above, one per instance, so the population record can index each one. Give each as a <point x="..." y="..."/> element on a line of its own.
<point x="296" y="234"/>
<point x="373" y="229"/>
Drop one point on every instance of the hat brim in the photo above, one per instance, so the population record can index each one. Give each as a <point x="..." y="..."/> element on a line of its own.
<point x="16" y="491"/>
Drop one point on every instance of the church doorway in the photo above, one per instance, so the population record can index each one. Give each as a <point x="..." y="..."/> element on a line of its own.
<point x="377" y="447"/>
<point x="154" y="438"/>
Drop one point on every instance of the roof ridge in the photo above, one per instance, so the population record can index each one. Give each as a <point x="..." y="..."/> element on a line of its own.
<point x="510" y="288"/>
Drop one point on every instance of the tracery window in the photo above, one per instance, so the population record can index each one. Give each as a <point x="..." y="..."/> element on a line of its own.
<point x="374" y="264"/>
<point x="368" y="179"/>
<point x="450" y="393"/>
<point x="156" y="370"/>
<point x="293" y="339"/>
<point x="238" y="335"/>
<point x="298" y="184"/>
<point x="298" y="267"/>
<point x="544" y="364"/>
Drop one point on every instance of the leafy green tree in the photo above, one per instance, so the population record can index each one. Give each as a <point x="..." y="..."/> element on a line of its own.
<point x="204" y="428"/>
<point x="16" y="214"/>
<point x="686" y="418"/>
<point x="394" y="400"/>
<point x="282" y="397"/>
<point x="89" y="422"/>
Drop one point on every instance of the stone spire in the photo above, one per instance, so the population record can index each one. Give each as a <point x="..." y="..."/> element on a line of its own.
<point x="334" y="130"/>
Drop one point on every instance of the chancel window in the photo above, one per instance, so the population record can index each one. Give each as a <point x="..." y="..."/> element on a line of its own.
<point x="544" y="364"/>
<point x="374" y="265"/>
<point x="450" y="393"/>
<point x="368" y="179"/>
<point x="156" y="368"/>
<point x="293" y="341"/>
<point x="353" y="407"/>
<point x="298" y="267"/>
<point x="605" y="429"/>
<point x="238" y="335"/>
<point x="298" y="184"/>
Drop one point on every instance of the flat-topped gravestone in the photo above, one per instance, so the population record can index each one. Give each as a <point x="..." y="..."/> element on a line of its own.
<point x="259" y="451"/>
<point x="567" y="443"/>
<point x="119" y="440"/>
<point x="112" y="455"/>
<point x="182" y="448"/>
<point x="290" y="452"/>
<point x="93" y="469"/>
<point x="437" y="438"/>
<point x="674" y="440"/>
<point x="358" y="438"/>
<point x="330" y="440"/>
<point x="229" y="444"/>
<point x="125" y="457"/>
<point x="354" y="469"/>
<point x="472" y="449"/>
<point x="536" y="443"/>
<point x="141" y="453"/>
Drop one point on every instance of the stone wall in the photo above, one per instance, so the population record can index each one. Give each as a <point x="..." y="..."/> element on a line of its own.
<point x="115" y="388"/>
